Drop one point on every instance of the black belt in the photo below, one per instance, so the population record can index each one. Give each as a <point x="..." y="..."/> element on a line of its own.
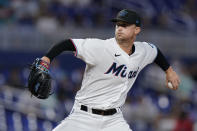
<point x="100" y="112"/>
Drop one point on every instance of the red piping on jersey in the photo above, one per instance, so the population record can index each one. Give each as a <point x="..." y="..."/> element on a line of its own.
<point x="76" y="52"/>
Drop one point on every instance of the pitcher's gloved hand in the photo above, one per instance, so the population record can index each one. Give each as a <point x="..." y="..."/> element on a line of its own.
<point x="39" y="80"/>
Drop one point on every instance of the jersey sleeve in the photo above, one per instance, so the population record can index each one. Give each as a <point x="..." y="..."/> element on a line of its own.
<point x="150" y="53"/>
<point x="87" y="50"/>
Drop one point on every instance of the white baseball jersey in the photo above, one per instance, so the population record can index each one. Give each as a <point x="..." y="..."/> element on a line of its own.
<point x="110" y="72"/>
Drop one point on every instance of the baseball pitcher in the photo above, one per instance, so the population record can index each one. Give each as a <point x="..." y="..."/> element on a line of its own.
<point x="112" y="66"/>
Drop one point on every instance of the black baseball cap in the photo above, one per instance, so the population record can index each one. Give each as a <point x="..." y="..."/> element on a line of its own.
<point x="128" y="16"/>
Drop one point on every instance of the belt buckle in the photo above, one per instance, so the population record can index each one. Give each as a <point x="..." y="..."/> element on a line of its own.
<point x="103" y="113"/>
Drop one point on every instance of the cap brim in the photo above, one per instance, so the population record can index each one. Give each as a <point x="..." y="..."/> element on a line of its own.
<point x="119" y="20"/>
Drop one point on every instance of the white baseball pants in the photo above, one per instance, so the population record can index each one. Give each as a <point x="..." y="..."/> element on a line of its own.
<point x="80" y="120"/>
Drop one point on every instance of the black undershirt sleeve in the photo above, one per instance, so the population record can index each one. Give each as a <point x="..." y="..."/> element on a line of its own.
<point x="65" y="45"/>
<point x="161" y="61"/>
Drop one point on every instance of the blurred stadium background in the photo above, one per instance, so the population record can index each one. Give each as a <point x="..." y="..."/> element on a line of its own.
<point x="28" y="28"/>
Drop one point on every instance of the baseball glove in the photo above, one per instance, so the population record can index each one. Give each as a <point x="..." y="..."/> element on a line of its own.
<point x="39" y="80"/>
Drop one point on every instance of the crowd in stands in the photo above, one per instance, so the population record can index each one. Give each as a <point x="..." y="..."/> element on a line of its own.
<point x="54" y="14"/>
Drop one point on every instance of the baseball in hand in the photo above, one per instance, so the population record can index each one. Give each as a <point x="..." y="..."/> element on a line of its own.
<point x="170" y="85"/>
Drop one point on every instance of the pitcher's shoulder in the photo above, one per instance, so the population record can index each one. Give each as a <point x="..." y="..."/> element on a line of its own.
<point x="140" y="43"/>
<point x="110" y="40"/>
<point x="143" y="44"/>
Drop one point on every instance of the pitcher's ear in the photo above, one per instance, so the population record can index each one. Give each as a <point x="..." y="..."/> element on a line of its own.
<point x="137" y="30"/>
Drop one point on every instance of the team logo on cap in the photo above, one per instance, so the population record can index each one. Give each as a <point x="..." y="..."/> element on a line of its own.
<point x="123" y="13"/>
